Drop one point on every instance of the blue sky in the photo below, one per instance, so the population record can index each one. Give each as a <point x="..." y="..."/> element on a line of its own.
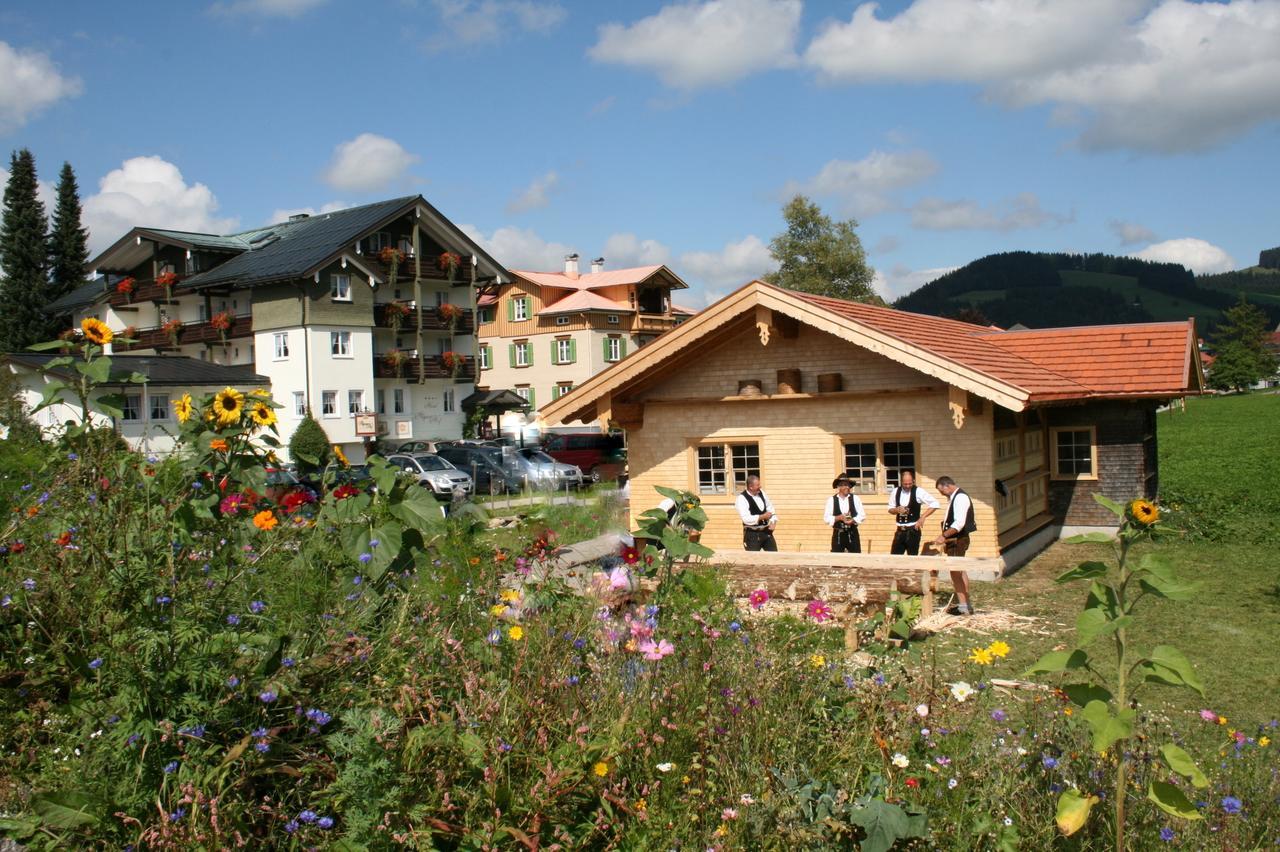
<point x="672" y="132"/>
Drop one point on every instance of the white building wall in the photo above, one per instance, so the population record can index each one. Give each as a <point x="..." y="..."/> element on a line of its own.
<point x="340" y="374"/>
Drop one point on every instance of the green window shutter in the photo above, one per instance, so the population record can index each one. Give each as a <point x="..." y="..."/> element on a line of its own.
<point x="573" y="351"/>
<point x="606" y="349"/>
<point x="528" y="307"/>
<point x="511" y="309"/>
<point x="532" y="405"/>
<point x="511" y="353"/>
<point x="622" y="347"/>
<point x="528" y="348"/>
<point x="553" y="352"/>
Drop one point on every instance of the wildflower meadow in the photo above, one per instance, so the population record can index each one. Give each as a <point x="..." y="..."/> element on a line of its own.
<point x="190" y="662"/>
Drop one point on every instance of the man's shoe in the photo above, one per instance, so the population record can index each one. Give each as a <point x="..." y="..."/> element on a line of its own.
<point x="965" y="609"/>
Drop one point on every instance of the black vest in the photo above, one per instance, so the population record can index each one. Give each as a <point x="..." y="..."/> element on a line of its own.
<point x="913" y="505"/>
<point x="835" y="508"/>
<point x="671" y="513"/>
<point x="970" y="525"/>
<point x="751" y="503"/>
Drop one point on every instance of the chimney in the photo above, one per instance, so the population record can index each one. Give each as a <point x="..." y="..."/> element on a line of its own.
<point x="597" y="265"/>
<point x="571" y="265"/>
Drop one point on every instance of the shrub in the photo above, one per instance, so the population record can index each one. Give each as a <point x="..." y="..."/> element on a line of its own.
<point x="309" y="447"/>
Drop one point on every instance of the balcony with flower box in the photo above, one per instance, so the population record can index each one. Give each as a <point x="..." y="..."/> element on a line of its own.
<point x="444" y="266"/>
<point x="217" y="330"/>
<point x="132" y="291"/>
<point x="443" y="318"/>
<point x="389" y="365"/>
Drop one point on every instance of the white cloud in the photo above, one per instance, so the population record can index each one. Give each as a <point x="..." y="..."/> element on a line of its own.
<point x="695" y="44"/>
<point x="1021" y="211"/>
<point x="732" y="266"/>
<point x="29" y="83"/>
<point x="886" y="244"/>
<point x="536" y="195"/>
<point x="521" y="248"/>
<point x="1131" y="233"/>
<point x="150" y="191"/>
<point x="1201" y="257"/>
<point x="465" y="23"/>
<point x="368" y="163"/>
<point x="282" y="214"/>
<point x="266" y="8"/>
<point x="622" y="251"/>
<point x="865" y="186"/>
<point x="901" y="280"/>
<point x="1173" y="77"/>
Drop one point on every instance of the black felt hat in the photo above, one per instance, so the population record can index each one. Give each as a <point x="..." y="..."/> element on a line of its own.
<point x="839" y="479"/>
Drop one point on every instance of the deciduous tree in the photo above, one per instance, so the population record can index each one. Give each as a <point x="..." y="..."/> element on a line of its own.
<point x="818" y="255"/>
<point x="1241" y="342"/>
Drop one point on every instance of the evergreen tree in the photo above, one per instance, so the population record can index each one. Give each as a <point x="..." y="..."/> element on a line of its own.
<point x="24" y="287"/>
<point x="1241" y="342"/>
<point x="309" y="441"/>
<point x="821" y="256"/>
<point x="68" y="240"/>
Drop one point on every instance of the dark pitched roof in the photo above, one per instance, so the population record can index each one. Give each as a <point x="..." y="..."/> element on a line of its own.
<point x="495" y="401"/>
<point x="85" y="294"/>
<point x="159" y="369"/>
<point x="291" y="249"/>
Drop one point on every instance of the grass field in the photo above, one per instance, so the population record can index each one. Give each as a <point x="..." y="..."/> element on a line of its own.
<point x="1224" y="446"/>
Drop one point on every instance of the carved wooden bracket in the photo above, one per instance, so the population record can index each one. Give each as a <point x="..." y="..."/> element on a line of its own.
<point x="764" y="323"/>
<point x="962" y="403"/>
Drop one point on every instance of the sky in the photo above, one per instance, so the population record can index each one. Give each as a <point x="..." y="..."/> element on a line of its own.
<point x="654" y="132"/>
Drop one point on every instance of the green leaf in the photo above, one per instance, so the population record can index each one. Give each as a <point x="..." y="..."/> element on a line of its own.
<point x="97" y="371"/>
<point x="1058" y="661"/>
<point x="1084" y="571"/>
<point x="137" y="378"/>
<point x="67" y="809"/>
<point x="384" y="474"/>
<point x="1181" y="762"/>
<point x="1107" y="729"/>
<point x="885" y="824"/>
<point x="1155" y="563"/>
<point x="52" y="392"/>
<point x="1171" y="666"/>
<point x="669" y="493"/>
<point x="389" y="536"/>
<point x="46" y="346"/>
<point x="473" y="749"/>
<point x="17" y="828"/>
<point x="1094" y="622"/>
<point x="1082" y="693"/>
<point x="1115" y="508"/>
<point x="1172" y="801"/>
<point x="417" y="508"/>
<point x="1166" y="588"/>
<point x="111" y="404"/>
<point x="1073" y="811"/>
<point x="1090" y="538"/>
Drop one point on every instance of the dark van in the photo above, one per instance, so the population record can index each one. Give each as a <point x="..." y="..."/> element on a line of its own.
<point x="598" y="456"/>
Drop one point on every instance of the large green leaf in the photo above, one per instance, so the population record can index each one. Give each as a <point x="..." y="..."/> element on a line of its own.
<point x="52" y="393"/>
<point x="1155" y="563"/>
<point x="111" y="404"/>
<point x="1172" y="801"/>
<point x="1082" y="693"/>
<point x="1094" y="622"/>
<point x="1102" y="500"/>
<point x="384" y="474"/>
<point x="1058" y="661"/>
<point x="1168" y="588"/>
<point x="389" y="536"/>
<point x="1084" y="571"/>
<point x="885" y="824"/>
<point x="1107" y="729"/>
<point x="46" y="345"/>
<point x="67" y="809"/>
<point x="1167" y="664"/>
<point x="417" y="508"/>
<point x="1073" y="811"/>
<point x="1090" y="538"/>
<point x="1181" y="762"/>
<point x="97" y="371"/>
<point x="669" y="493"/>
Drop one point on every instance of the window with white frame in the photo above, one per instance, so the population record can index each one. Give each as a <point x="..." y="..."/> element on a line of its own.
<point x="355" y="401"/>
<point x="281" y="339"/>
<point x="406" y="246"/>
<point x="380" y="401"/>
<point x="299" y="404"/>
<point x="520" y="308"/>
<point x="450" y="401"/>
<point x="564" y="351"/>
<point x="397" y="401"/>
<point x="329" y="403"/>
<point x="613" y="349"/>
<point x="484" y="315"/>
<point x="340" y="287"/>
<point x="719" y="465"/>
<point x="132" y="408"/>
<point x="562" y="320"/>
<point x="863" y="458"/>
<point x="340" y="344"/>
<point x="560" y="389"/>
<point x="523" y="353"/>
<point x="486" y="357"/>
<point x="522" y="391"/>
<point x="377" y="242"/>
<point x="159" y="406"/>
<point x="612" y="319"/>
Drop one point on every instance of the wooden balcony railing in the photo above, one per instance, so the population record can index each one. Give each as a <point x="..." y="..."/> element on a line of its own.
<point x="156" y="337"/>
<point x="433" y="368"/>
<point x="430" y="269"/>
<point x="655" y="322"/>
<point x="144" y="290"/>
<point x="431" y="320"/>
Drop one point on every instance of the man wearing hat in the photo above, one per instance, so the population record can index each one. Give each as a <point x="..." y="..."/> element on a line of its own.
<point x="843" y="513"/>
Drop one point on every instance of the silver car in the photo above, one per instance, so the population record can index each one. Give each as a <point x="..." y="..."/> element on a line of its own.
<point x="551" y="473"/>
<point x="434" y="472"/>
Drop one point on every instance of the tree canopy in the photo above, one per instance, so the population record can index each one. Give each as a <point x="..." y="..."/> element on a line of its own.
<point x="24" y="289"/>
<point x="68" y="239"/>
<point x="1241" y="349"/>
<point x="816" y="254"/>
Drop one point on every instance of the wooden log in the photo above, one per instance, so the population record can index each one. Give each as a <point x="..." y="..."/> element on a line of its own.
<point x="978" y="568"/>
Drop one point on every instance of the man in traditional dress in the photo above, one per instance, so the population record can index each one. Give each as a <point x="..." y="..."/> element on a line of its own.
<point x="910" y="504"/>
<point x="954" y="540"/>
<point x="758" y="517"/>
<point x="843" y="513"/>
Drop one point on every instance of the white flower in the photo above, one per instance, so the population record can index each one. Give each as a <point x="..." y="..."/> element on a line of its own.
<point x="951" y="785"/>
<point x="1008" y="821"/>
<point x="665" y="767"/>
<point x="961" y="690"/>
<point x="900" y="760"/>
<point x="747" y="799"/>
<point x="922" y="710"/>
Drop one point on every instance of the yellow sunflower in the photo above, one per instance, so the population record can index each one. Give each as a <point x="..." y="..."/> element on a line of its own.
<point x="1144" y="512"/>
<point x="262" y="414"/>
<point x="183" y="408"/>
<point x="340" y="456"/>
<point x="96" y="331"/>
<point x="228" y="406"/>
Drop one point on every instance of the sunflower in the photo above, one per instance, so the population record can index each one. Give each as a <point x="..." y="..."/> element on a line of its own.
<point x="183" y="408"/>
<point x="262" y="414"/>
<point x="96" y="331"/>
<point x="228" y="405"/>
<point x="340" y="456"/>
<point x="1144" y="512"/>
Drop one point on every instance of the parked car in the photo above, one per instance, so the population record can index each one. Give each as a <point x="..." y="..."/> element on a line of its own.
<point x="485" y="465"/>
<point x="598" y="456"/>
<point x="551" y="473"/>
<point x="434" y="472"/>
<point x="412" y="447"/>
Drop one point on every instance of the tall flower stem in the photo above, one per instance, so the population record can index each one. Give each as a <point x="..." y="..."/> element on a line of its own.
<point x="1122" y="763"/>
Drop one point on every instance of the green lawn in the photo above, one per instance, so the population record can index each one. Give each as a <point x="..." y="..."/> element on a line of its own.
<point x="1223" y="447"/>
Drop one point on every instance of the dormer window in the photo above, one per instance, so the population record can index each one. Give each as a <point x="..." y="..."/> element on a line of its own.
<point x="340" y="287"/>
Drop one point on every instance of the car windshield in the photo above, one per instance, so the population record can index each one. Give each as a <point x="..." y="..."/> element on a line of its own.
<point x="433" y="463"/>
<point x="539" y="457"/>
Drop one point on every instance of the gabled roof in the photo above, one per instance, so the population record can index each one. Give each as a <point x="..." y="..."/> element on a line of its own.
<point x="583" y="300"/>
<point x="604" y="278"/>
<point x="85" y="294"/>
<point x="1014" y="369"/>
<point x="160" y="370"/>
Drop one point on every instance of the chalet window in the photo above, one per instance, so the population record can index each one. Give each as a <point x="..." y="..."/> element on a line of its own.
<point x="377" y="242"/>
<point x="897" y="455"/>
<point x="521" y="354"/>
<point x="340" y="344"/>
<point x="486" y="357"/>
<point x="450" y="401"/>
<point x="329" y="403"/>
<point x="1075" y="453"/>
<point x="612" y="319"/>
<point x="615" y="348"/>
<point x="406" y="246"/>
<point x="397" y="401"/>
<point x="518" y="308"/>
<point x="865" y="457"/>
<point x="355" y="401"/>
<point x="860" y="465"/>
<point x="720" y="465"/>
<point x="132" y="408"/>
<point x="380" y="401"/>
<point x="561" y="389"/>
<point x="299" y="404"/>
<point x="340" y="287"/>
<point x="282" y="345"/>
<point x="1006" y="448"/>
<point x="159" y="406"/>
<point x="711" y="470"/>
<point x="202" y="312"/>
<point x="484" y="315"/>
<point x="442" y="298"/>
<point x="1035" y="441"/>
<point x="565" y="351"/>
<point x="562" y="320"/>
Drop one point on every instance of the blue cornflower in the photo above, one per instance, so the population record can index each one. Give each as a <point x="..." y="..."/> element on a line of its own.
<point x="170" y="767"/>
<point x="504" y="747"/>
<point x="288" y="662"/>
<point x="258" y="732"/>
<point x="579" y="643"/>
<point x="572" y="680"/>
<point x="6" y="601"/>
<point x="133" y="738"/>
<point x="366" y="558"/>
<point x="494" y="637"/>
<point x="73" y="456"/>
<point x="1166" y="834"/>
<point x="177" y="815"/>
<point x="353" y="596"/>
<point x="43" y="498"/>
<point x="197" y="484"/>
<point x="163" y="599"/>
<point x="357" y="580"/>
<point x="29" y="584"/>
<point x="256" y="607"/>
<point x="319" y="716"/>
<point x="999" y="715"/>
<point x="233" y="619"/>
<point x="291" y="826"/>
<point x="262" y="747"/>
<point x="152" y="458"/>
<point x="233" y="681"/>
<point x="734" y="626"/>
<point x="1049" y="762"/>
<point x="267" y="696"/>
<point x="373" y="542"/>
<point x="307" y="817"/>
<point x="1231" y="805"/>
<point x="325" y="822"/>
<point x="879" y="679"/>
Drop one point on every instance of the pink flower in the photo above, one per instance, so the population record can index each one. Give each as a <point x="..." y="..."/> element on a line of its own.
<point x="728" y="814"/>
<point x="620" y="578"/>
<point x="759" y="598"/>
<point x="1208" y="715"/>
<point x="232" y="503"/>
<point x="656" y="650"/>
<point x="819" y="611"/>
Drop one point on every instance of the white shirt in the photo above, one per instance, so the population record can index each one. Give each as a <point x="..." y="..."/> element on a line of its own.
<point x="744" y="510"/>
<point x="667" y="504"/>
<point x="904" y="500"/>
<point x="959" y="508"/>
<point x="850" y="505"/>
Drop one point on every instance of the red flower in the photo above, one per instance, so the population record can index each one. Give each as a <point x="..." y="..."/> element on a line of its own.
<point x="295" y="500"/>
<point x="233" y="503"/>
<point x="64" y="539"/>
<point x="345" y="490"/>
<point x="913" y="783"/>
<point x="167" y="279"/>
<point x="630" y="555"/>
<point x="17" y="547"/>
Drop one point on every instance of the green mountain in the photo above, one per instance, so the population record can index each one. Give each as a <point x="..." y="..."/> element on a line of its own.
<point x="1045" y="290"/>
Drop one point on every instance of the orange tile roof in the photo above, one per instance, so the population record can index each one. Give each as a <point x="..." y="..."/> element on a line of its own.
<point x="590" y="280"/>
<point x="583" y="300"/>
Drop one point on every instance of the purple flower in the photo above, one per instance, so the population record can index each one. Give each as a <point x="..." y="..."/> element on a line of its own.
<point x="133" y="738"/>
<point x="319" y="716"/>
<point x="291" y="826"/>
<point x="233" y="619"/>
<point x="357" y="580"/>
<point x="307" y="817"/>
<point x="999" y="715"/>
<point x="325" y="822"/>
<point x="262" y="747"/>
<point x="1166" y="834"/>
<point x="6" y="601"/>
<point x="233" y="682"/>
<point x="572" y="680"/>
<point x="734" y="626"/>
<point x="288" y="662"/>
<point x="258" y="732"/>
<point x="267" y="696"/>
<point x="373" y="542"/>
<point x="1231" y="805"/>
<point x="366" y="558"/>
<point x="170" y="767"/>
<point x="177" y="815"/>
<point x="95" y="663"/>
<point x="256" y="607"/>
<point x="29" y="584"/>
<point x="1049" y="762"/>
<point x="163" y="599"/>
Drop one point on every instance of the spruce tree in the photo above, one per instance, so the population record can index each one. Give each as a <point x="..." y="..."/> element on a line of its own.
<point x="23" y="248"/>
<point x="68" y="241"/>
<point x="1241" y="341"/>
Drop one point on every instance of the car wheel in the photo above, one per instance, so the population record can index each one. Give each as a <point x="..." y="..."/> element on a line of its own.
<point x="593" y="476"/>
